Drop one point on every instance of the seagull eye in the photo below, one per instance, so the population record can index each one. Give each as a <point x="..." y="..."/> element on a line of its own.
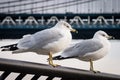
<point x="103" y="35"/>
<point x="67" y="26"/>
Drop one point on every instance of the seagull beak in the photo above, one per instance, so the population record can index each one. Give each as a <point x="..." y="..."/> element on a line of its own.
<point x="111" y="37"/>
<point x="74" y="30"/>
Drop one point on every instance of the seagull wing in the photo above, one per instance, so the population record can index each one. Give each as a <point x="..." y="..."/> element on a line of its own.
<point x="82" y="48"/>
<point x="39" y="39"/>
<point x="25" y="42"/>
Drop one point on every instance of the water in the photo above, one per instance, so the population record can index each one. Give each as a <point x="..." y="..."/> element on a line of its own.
<point x="108" y="64"/>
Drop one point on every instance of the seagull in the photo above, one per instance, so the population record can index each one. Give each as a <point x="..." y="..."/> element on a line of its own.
<point x="45" y="42"/>
<point x="89" y="49"/>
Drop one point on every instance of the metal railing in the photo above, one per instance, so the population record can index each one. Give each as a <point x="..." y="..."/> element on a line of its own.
<point x="37" y="70"/>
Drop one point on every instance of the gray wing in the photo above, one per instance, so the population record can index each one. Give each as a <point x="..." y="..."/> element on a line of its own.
<point x="45" y="37"/>
<point x="82" y="48"/>
<point x="25" y="42"/>
<point x="40" y="39"/>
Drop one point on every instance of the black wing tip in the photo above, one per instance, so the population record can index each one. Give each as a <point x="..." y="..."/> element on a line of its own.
<point x="12" y="45"/>
<point x="5" y="50"/>
<point x="9" y="47"/>
<point x="2" y="47"/>
<point x="59" y="57"/>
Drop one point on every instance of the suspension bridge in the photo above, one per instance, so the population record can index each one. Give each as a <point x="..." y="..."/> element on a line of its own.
<point x="87" y="16"/>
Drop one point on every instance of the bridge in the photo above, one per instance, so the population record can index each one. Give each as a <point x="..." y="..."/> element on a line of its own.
<point x="87" y="16"/>
<point x="86" y="24"/>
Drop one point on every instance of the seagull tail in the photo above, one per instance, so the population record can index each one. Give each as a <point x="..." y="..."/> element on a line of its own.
<point x="11" y="47"/>
<point x="59" y="57"/>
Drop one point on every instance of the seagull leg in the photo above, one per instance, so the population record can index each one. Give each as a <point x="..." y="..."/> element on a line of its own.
<point x="92" y="68"/>
<point x="91" y="65"/>
<point x="51" y="60"/>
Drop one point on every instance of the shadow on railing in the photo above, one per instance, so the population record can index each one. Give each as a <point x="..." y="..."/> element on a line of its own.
<point x="8" y="66"/>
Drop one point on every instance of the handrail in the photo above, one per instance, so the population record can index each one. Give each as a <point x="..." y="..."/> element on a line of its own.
<point x="38" y="69"/>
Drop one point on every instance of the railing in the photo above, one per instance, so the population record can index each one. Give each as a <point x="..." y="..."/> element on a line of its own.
<point x="37" y="70"/>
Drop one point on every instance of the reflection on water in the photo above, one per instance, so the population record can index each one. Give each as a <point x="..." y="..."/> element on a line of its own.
<point x="109" y="64"/>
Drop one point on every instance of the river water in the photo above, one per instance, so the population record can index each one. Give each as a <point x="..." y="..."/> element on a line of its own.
<point x="109" y="64"/>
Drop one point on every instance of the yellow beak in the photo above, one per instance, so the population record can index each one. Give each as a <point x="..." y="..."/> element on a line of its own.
<point x="111" y="37"/>
<point x="74" y="30"/>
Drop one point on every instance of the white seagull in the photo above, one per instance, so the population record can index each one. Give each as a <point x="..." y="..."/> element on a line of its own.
<point x="45" y="42"/>
<point x="88" y="50"/>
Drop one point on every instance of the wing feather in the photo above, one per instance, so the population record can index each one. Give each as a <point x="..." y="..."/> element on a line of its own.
<point x="39" y="39"/>
<point x="82" y="48"/>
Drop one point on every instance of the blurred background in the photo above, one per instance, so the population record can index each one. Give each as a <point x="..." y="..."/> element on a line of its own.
<point x="20" y="17"/>
<point x="59" y="6"/>
<point x="87" y="16"/>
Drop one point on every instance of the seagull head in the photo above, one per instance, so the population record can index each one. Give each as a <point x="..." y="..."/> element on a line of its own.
<point x="65" y="25"/>
<point x="102" y="34"/>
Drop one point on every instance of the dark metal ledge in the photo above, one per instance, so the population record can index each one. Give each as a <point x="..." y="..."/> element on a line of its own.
<point x="38" y="69"/>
